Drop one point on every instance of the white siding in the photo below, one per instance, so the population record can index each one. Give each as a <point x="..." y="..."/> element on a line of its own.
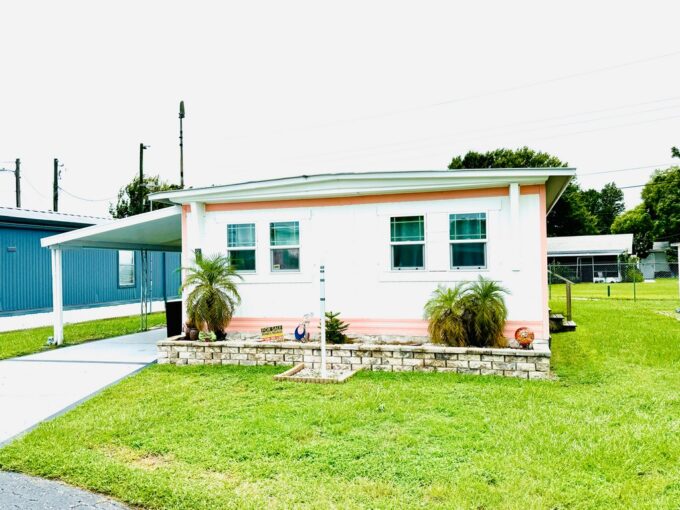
<point x="353" y="241"/>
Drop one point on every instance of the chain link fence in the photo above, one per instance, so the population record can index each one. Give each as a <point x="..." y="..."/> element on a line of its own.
<point x="621" y="280"/>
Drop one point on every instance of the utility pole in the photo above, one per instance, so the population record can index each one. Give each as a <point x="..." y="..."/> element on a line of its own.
<point x="181" y="145"/>
<point x="55" y="186"/>
<point x="17" y="181"/>
<point x="142" y="148"/>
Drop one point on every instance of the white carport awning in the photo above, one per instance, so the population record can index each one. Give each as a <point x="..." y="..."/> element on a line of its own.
<point x="155" y="231"/>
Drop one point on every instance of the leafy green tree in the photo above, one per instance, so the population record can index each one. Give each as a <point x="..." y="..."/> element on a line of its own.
<point x="638" y="222"/>
<point x="605" y="205"/>
<point x="524" y="157"/>
<point x="569" y="217"/>
<point x="133" y="198"/>
<point x="661" y="196"/>
<point x="213" y="295"/>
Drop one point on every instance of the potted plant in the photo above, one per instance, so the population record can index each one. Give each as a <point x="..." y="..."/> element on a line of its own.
<point x="213" y="295"/>
<point x="190" y="330"/>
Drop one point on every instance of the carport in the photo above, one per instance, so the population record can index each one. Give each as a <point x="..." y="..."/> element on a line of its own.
<point x="153" y="231"/>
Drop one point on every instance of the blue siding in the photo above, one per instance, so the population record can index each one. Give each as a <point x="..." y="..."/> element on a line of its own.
<point x="90" y="275"/>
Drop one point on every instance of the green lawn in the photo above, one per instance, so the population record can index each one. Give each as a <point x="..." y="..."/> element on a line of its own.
<point x="661" y="289"/>
<point x="29" y="341"/>
<point x="605" y="435"/>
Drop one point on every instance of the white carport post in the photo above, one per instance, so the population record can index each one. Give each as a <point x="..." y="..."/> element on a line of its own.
<point x="57" y="295"/>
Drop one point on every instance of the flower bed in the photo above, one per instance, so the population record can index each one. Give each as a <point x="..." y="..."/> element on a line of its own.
<point x="525" y="364"/>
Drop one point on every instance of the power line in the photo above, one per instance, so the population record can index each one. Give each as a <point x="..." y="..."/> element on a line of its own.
<point x="660" y="165"/>
<point x="34" y="188"/>
<point x="484" y="94"/>
<point x="86" y="199"/>
<point x="469" y="133"/>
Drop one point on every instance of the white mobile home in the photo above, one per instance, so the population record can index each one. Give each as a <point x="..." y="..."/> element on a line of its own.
<point x="387" y="240"/>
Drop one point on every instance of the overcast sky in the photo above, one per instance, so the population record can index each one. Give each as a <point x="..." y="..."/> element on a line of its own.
<point x="276" y="89"/>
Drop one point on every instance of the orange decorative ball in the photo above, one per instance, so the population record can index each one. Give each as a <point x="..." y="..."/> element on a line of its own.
<point x="524" y="337"/>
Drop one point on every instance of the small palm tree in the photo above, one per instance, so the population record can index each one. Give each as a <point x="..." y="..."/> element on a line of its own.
<point x="484" y="313"/>
<point x="213" y="295"/>
<point x="445" y="315"/>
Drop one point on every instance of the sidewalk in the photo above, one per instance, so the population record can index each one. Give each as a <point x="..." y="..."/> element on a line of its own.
<point x="40" y="386"/>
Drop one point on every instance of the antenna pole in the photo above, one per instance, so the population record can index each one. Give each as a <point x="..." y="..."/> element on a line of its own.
<point x="55" y="186"/>
<point x="17" y="181"/>
<point x="141" y="176"/>
<point x="181" y="145"/>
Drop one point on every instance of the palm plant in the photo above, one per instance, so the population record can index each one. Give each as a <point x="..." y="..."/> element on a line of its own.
<point x="484" y="313"/>
<point x="213" y="295"/>
<point x="445" y="315"/>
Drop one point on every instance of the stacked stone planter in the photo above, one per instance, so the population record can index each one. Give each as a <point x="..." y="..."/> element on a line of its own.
<point x="525" y="364"/>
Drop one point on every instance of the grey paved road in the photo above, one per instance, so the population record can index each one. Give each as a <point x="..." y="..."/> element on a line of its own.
<point x="21" y="492"/>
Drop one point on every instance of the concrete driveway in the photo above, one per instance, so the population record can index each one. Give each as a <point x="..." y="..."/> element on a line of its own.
<point x="40" y="386"/>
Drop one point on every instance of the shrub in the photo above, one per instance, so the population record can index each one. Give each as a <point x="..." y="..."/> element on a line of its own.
<point x="484" y="313"/>
<point x="213" y="295"/>
<point x="468" y="314"/>
<point x="335" y="329"/>
<point x="445" y="315"/>
<point x="632" y="274"/>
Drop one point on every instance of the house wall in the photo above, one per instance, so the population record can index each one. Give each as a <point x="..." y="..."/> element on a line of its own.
<point x="352" y="239"/>
<point x="90" y="275"/>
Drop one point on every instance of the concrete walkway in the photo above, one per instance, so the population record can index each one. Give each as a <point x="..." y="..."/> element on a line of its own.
<point x="40" y="386"/>
<point x="22" y="492"/>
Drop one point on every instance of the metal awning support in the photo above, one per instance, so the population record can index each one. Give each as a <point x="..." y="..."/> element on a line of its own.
<point x="57" y="295"/>
<point x="159" y="230"/>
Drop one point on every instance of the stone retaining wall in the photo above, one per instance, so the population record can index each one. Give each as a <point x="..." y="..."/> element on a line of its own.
<point x="525" y="364"/>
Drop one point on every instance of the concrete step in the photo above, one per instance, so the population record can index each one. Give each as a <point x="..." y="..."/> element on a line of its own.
<point x="568" y="326"/>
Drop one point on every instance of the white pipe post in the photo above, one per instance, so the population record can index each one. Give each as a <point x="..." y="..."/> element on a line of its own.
<point x="322" y="302"/>
<point x="677" y="246"/>
<point x="514" y="225"/>
<point x="57" y="296"/>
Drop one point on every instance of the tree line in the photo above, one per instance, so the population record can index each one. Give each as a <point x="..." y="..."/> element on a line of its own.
<point x="591" y="211"/>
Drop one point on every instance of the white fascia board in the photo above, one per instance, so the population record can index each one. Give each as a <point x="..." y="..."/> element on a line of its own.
<point x="590" y="253"/>
<point x="336" y="185"/>
<point x="82" y="234"/>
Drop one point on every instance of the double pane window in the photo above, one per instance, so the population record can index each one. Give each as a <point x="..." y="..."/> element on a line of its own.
<point x="284" y="239"/>
<point x="407" y="240"/>
<point x="467" y="238"/>
<point x="241" y="246"/>
<point x="126" y="268"/>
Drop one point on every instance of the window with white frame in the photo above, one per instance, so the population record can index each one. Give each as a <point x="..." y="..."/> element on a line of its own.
<point x="241" y="246"/>
<point x="284" y="239"/>
<point x="467" y="237"/>
<point x="407" y="240"/>
<point x="126" y="268"/>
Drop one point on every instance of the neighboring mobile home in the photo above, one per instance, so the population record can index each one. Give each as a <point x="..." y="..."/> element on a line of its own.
<point x="655" y="264"/>
<point x="93" y="278"/>
<point x="590" y="258"/>
<point x="387" y="239"/>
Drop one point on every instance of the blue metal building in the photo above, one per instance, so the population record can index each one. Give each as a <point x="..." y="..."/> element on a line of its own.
<point x="92" y="277"/>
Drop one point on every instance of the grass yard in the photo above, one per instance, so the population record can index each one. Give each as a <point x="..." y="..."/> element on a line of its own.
<point x="30" y="341"/>
<point x="661" y="289"/>
<point x="606" y="435"/>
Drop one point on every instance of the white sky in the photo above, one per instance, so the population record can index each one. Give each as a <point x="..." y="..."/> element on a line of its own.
<point x="284" y="88"/>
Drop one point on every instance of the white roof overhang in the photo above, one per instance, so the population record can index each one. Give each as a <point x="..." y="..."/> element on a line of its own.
<point x="159" y="230"/>
<point x="373" y="183"/>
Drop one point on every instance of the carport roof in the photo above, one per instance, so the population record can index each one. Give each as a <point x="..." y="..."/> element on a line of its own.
<point x="612" y="244"/>
<point x="156" y="231"/>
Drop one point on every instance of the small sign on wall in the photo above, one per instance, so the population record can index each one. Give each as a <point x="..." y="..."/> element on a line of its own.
<point x="272" y="333"/>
